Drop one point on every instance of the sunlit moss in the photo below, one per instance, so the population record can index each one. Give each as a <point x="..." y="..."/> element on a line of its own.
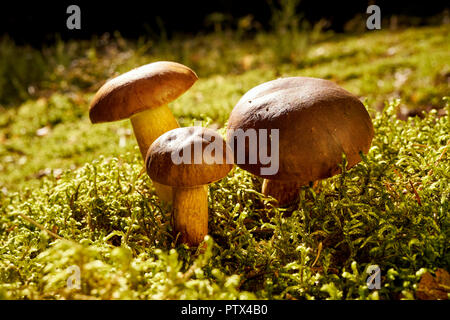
<point x="390" y="210"/>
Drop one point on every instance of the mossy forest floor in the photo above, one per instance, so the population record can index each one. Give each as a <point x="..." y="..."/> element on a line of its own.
<point x="73" y="196"/>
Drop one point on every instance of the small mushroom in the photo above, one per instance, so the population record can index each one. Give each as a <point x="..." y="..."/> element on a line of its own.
<point x="317" y="123"/>
<point x="142" y="95"/>
<point x="188" y="159"/>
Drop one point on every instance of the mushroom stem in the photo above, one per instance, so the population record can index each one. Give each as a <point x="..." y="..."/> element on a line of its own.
<point x="190" y="214"/>
<point x="148" y="125"/>
<point x="285" y="192"/>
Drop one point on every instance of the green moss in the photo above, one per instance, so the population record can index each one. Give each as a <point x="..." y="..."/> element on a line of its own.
<point x="85" y="183"/>
<point x="121" y="240"/>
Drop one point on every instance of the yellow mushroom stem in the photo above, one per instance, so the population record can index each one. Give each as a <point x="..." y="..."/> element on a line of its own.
<point x="190" y="214"/>
<point x="148" y="125"/>
<point x="285" y="192"/>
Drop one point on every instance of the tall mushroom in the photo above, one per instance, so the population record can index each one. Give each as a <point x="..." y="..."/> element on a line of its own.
<point x="142" y="95"/>
<point x="317" y="122"/>
<point x="188" y="159"/>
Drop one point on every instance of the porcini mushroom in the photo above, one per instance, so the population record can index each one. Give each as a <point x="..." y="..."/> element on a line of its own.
<point x="142" y="95"/>
<point x="317" y="122"/>
<point x="188" y="159"/>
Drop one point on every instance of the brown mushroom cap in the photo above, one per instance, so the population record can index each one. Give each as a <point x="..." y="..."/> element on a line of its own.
<point x="162" y="169"/>
<point x="143" y="88"/>
<point x="318" y="121"/>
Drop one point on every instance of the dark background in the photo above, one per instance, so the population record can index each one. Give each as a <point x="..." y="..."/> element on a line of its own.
<point x="37" y="22"/>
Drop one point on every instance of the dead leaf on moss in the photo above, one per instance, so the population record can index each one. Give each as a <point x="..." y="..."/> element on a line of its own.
<point x="434" y="288"/>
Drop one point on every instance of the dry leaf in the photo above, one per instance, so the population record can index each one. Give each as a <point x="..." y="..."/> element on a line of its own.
<point x="434" y="288"/>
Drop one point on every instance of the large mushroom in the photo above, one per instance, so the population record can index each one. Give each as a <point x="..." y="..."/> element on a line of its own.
<point x="188" y="159"/>
<point x="142" y="95"/>
<point x="317" y="122"/>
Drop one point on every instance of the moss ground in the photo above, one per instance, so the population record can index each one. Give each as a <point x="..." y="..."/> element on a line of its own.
<point x="84" y="182"/>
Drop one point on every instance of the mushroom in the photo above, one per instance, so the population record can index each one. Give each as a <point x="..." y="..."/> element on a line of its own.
<point x="317" y="123"/>
<point x="142" y="95"/>
<point x="188" y="159"/>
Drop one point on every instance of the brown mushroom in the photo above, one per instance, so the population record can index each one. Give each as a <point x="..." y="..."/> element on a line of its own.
<point x="317" y="123"/>
<point x="188" y="159"/>
<point x="142" y="95"/>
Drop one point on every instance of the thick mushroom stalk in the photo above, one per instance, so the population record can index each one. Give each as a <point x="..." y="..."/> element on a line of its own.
<point x="190" y="213"/>
<point x="162" y="121"/>
<point x="285" y="192"/>
<point x="142" y="95"/>
<point x="188" y="159"/>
